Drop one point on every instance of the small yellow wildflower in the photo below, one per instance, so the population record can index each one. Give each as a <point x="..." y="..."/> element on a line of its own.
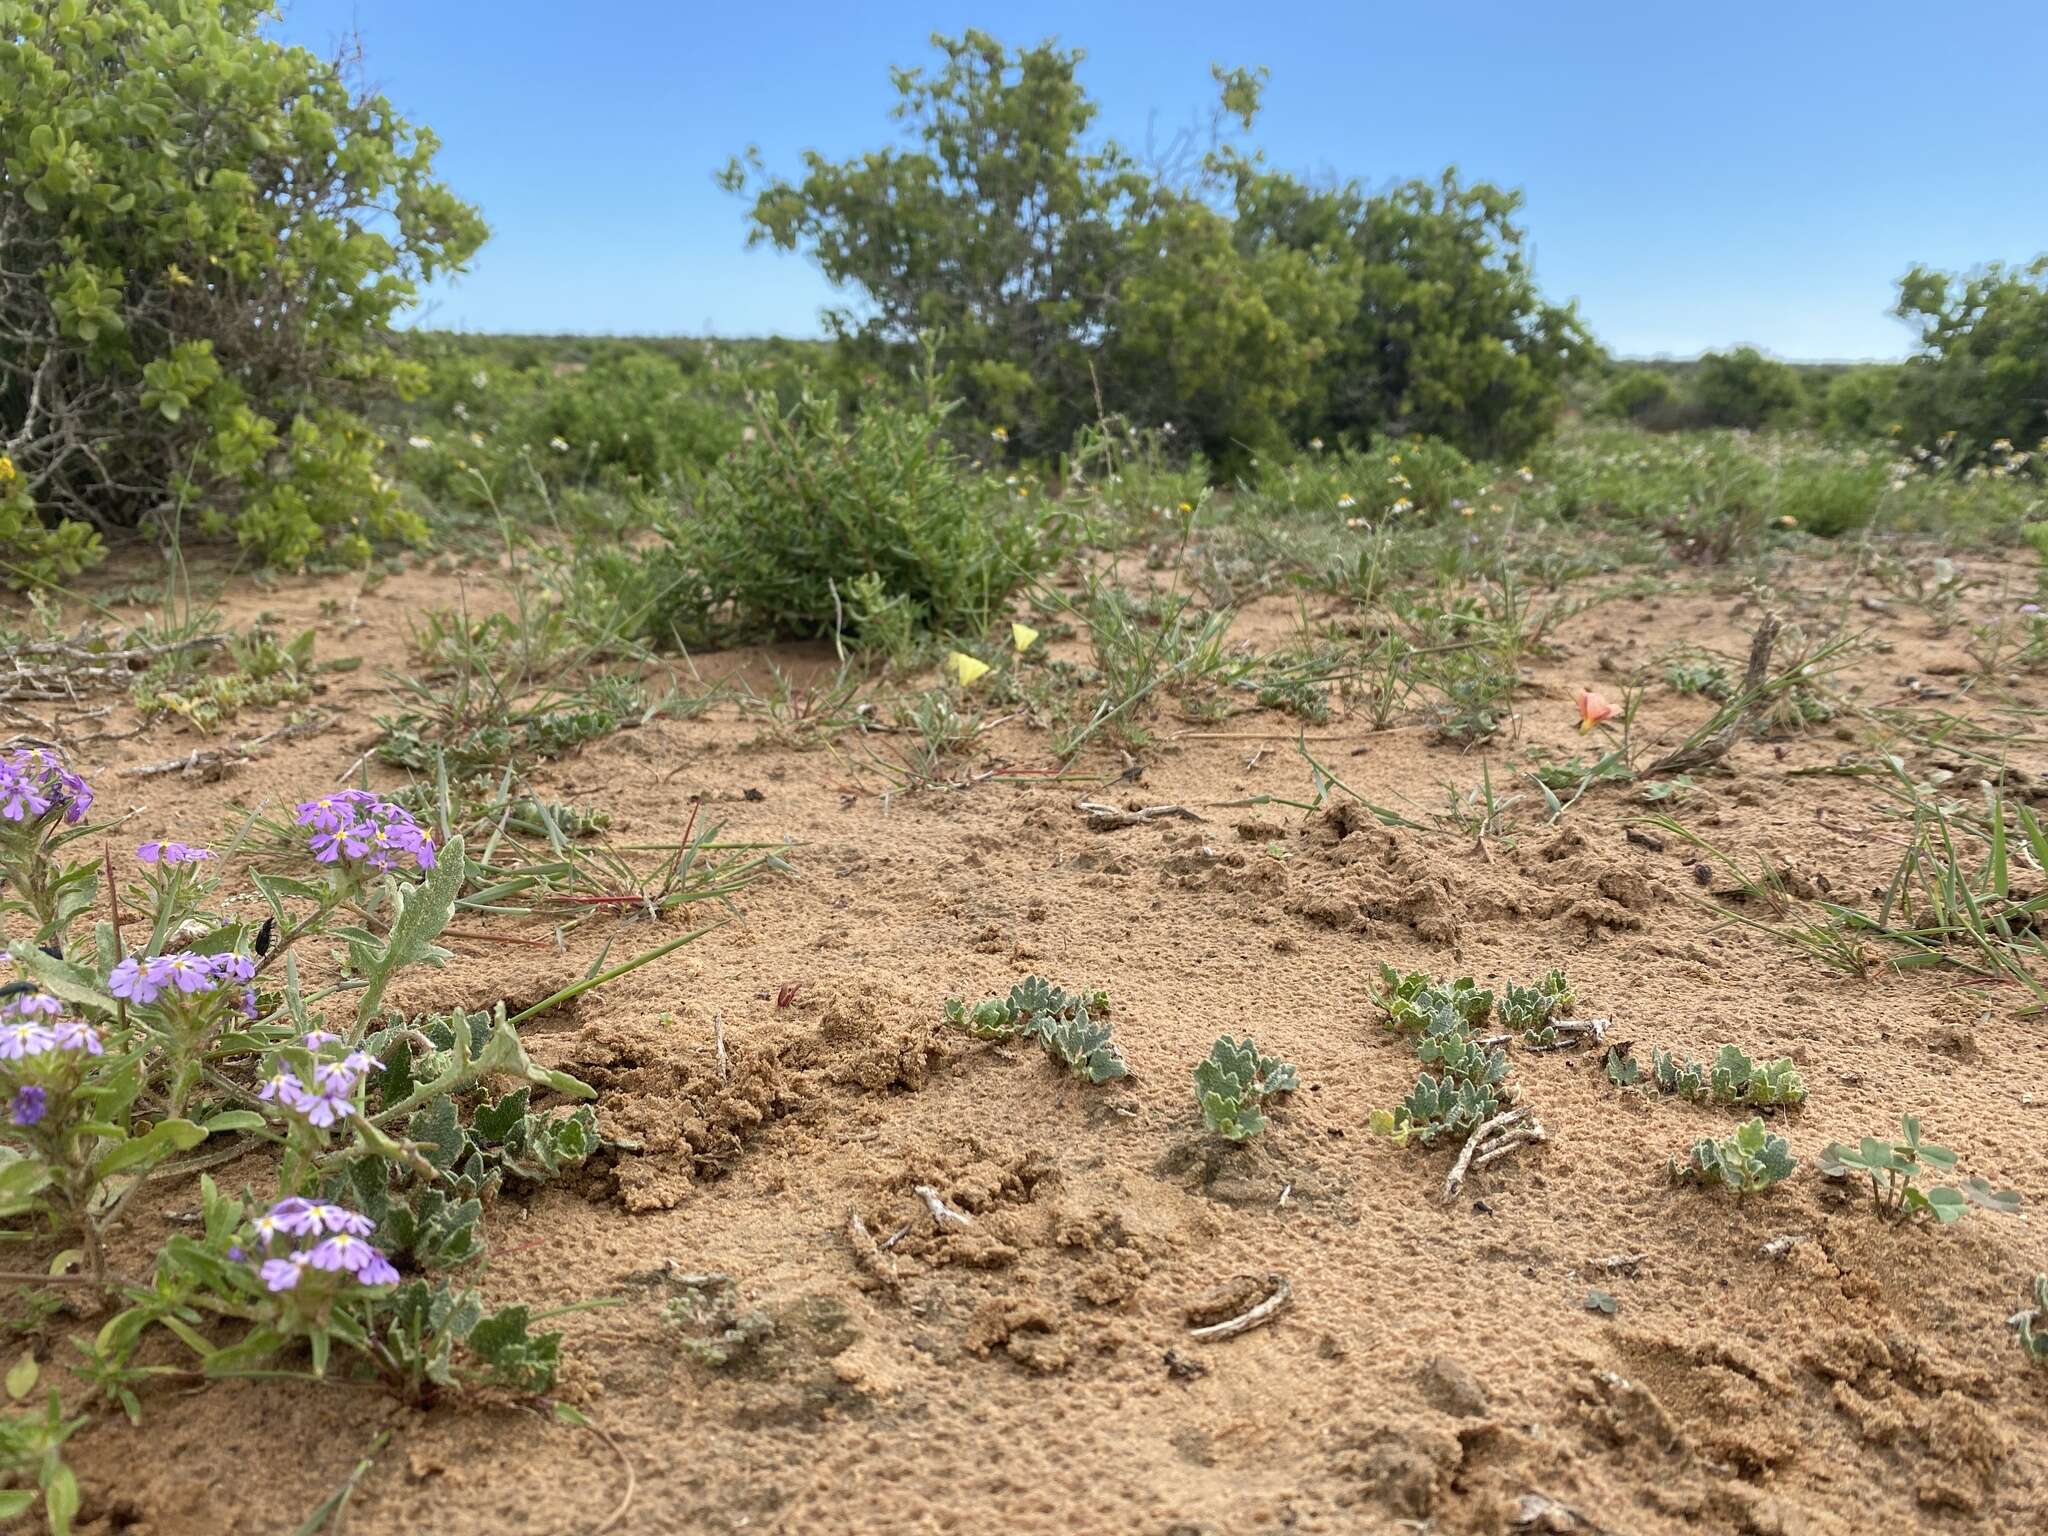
<point x="1023" y="636"/>
<point x="1001" y="434"/>
<point x="6" y="470"/>
<point x="966" y="668"/>
<point x="1346" y="500"/>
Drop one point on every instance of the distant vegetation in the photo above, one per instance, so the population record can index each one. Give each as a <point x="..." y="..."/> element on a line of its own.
<point x="1039" y="310"/>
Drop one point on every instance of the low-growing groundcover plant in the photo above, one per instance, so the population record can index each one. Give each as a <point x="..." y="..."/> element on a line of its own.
<point x="1464" y="1081"/>
<point x="130" y="1039"/>
<point x="208" y="234"/>
<point x="1233" y="1081"/>
<point x="1752" y="1159"/>
<point x="1063" y="1022"/>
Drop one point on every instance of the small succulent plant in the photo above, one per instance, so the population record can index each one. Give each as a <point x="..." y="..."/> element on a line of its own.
<point x="1233" y="1081"/>
<point x="1752" y="1159"/>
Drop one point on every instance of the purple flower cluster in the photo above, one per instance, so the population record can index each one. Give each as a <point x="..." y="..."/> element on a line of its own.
<point x="21" y="1038"/>
<point x="332" y="1240"/>
<point x="331" y="1096"/>
<point x="170" y="853"/>
<point x="354" y="825"/>
<point x="34" y="782"/>
<point x="145" y="978"/>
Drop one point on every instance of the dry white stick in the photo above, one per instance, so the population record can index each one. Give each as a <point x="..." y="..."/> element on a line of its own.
<point x="1485" y="1129"/>
<point x="718" y="1037"/>
<point x="944" y="1217"/>
<point x="1244" y="1322"/>
<point x="1501" y="1146"/>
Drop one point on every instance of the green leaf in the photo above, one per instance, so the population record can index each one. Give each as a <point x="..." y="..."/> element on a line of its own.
<point x="21" y="1376"/>
<point x="235" y="1120"/>
<point x="166" y="1137"/>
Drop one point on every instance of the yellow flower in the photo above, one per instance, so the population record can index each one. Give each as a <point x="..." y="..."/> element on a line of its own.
<point x="1316" y="444"/>
<point x="1023" y="636"/>
<point x="1346" y="500"/>
<point x="6" y="470"/>
<point x="966" y="668"/>
<point x="1001" y="434"/>
<point x="1187" y="506"/>
<point x="1788" y="521"/>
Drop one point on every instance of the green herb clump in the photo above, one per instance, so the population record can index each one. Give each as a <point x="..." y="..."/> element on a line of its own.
<point x="1751" y="1160"/>
<point x="1232" y="1083"/>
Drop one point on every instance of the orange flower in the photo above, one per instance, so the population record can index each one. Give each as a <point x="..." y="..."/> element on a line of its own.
<point x="1593" y="709"/>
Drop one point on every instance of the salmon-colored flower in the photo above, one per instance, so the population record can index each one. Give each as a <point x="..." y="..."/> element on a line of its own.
<point x="1593" y="709"/>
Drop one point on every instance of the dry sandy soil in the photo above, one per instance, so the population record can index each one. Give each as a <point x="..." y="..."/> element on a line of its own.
<point x="1438" y="1368"/>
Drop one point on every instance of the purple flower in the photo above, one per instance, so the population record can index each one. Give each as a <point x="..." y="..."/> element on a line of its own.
<point x="26" y="1039"/>
<point x="282" y="1274"/>
<point x="144" y="978"/>
<point x="29" y="1105"/>
<point x="72" y="1035"/>
<point x="134" y="980"/>
<point x="308" y="1218"/>
<point x="35" y="781"/>
<point x="171" y="853"/>
<point x="319" y="1037"/>
<point x="23" y="1004"/>
<point x="346" y="1253"/>
<point x="283" y="1087"/>
<point x="355" y="825"/>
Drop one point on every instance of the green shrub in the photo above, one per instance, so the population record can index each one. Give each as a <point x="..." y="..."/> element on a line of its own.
<point x="1981" y="375"/>
<point x="193" y="302"/>
<point x="1864" y="402"/>
<point x="1062" y="278"/>
<point x="1635" y="394"/>
<point x="1744" y="388"/>
<point x="793" y="522"/>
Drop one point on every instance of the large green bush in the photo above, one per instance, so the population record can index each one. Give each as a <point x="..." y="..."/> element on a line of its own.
<point x="1062" y="278"/>
<point x="206" y="236"/>
<point x="816" y="523"/>
<point x="1744" y="388"/>
<point x="1981" y="375"/>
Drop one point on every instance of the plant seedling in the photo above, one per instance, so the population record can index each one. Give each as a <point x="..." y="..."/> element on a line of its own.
<point x="2033" y="1324"/>
<point x="1895" y="1169"/>
<point x="1732" y="1077"/>
<point x="1751" y="1160"/>
<point x="1063" y="1022"/>
<point x="1233" y="1081"/>
<point x="1532" y="1009"/>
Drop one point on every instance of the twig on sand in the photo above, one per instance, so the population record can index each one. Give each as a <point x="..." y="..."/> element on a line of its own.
<point x="718" y="1038"/>
<point x="1110" y="818"/>
<point x="625" y="1503"/>
<point x="869" y="1257"/>
<point x="944" y="1217"/>
<point x="1487" y="1143"/>
<point x="1280" y="1294"/>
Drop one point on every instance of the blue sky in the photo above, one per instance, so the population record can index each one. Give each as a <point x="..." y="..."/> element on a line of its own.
<point x="1696" y="176"/>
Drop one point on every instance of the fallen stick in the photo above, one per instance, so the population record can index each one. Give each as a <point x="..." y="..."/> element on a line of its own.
<point x="868" y="1257"/>
<point x="1244" y="1322"/>
<point x="1108" y="818"/>
<point x="1481" y="1132"/>
<point x="1501" y="1146"/>
<point x="944" y="1217"/>
<point x="1576" y="1031"/>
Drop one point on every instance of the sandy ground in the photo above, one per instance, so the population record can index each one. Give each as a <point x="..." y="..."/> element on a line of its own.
<point x="1438" y="1365"/>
